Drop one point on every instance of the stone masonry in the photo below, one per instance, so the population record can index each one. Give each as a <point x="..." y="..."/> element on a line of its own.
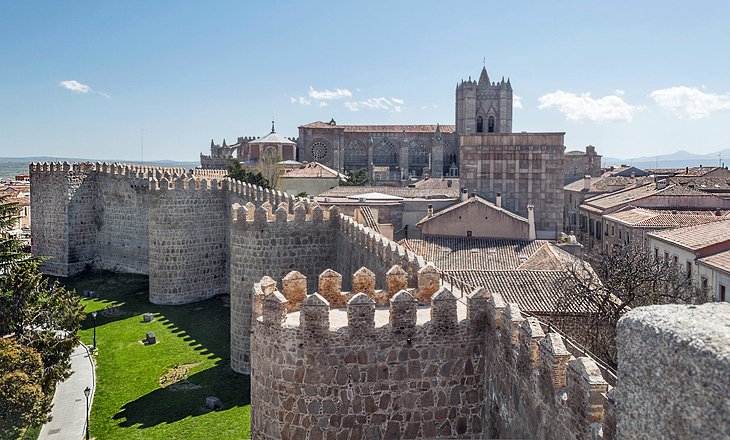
<point x="364" y="340"/>
<point x="449" y="368"/>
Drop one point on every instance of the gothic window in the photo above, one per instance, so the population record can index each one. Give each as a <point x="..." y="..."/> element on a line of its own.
<point x="384" y="154"/>
<point x="490" y="124"/>
<point x="417" y="157"/>
<point x="356" y="156"/>
<point x="318" y="150"/>
<point x="480" y="124"/>
<point x="450" y="154"/>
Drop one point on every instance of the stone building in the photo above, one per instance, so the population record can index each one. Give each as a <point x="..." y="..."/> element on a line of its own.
<point x="250" y="150"/>
<point x="525" y="168"/>
<point x="390" y="153"/>
<point x="579" y="164"/>
<point x="476" y="217"/>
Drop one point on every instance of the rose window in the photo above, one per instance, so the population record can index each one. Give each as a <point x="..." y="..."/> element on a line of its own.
<point x="319" y="150"/>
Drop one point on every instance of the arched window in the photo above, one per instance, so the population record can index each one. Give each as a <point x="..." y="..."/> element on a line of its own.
<point x="480" y="125"/>
<point x="417" y="157"/>
<point x="356" y="156"/>
<point x="490" y="124"/>
<point x="384" y="154"/>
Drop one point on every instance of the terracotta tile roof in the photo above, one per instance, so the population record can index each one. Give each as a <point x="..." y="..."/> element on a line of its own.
<point x="313" y="170"/>
<point x="548" y="257"/>
<point x="602" y="184"/>
<point x="470" y="253"/>
<point x="405" y="192"/>
<point x="627" y="196"/>
<point x="651" y="218"/>
<point x="382" y="128"/>
<point x="536" y="291"/>
<point x="436" y="183"/>
<point x="696" y="237"/>
<point x="719" y="261"/>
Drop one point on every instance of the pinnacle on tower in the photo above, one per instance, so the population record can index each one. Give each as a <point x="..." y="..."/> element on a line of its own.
<point x="272" y="126"/>
<point x="484" y="77"/>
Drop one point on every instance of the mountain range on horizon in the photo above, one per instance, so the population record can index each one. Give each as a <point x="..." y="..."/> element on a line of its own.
<point x="677" y="159"/>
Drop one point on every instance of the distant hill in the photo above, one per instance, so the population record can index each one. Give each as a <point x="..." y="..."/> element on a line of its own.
<point x="679" y="159"/>
<point x="12" y="166"/>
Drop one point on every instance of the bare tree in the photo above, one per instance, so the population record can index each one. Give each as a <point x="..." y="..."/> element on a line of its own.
<point x="611" y="284"/>
<point x="269" y="168"/>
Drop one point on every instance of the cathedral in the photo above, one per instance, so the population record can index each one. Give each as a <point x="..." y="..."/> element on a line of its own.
<point x="392" y="152"/>
<point x="480" y="149"/>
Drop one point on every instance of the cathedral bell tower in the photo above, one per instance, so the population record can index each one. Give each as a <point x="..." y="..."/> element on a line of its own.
<point x="483" y="106"/>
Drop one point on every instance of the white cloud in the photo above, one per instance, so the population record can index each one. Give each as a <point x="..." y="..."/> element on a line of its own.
<point x="690" y="102"/>
<point x="323" y="104"/>
<point x="301" y="100"/>
<point x="517" y="102"/>
<point x="75" y="86"/>
<point x="585" y="108"/>
<point x="326" y="95"/>
<point x="382" y="103"/>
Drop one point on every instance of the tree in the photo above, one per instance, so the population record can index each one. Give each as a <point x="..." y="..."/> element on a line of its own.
<point x="237" y="171"/>
<point x="268" y="167"/>
<point x="23" y="402"/>
<point x="356" y="178"/>
<point x="10" y="248"/>
<point x="40" y="315"/>
<point x="611" y="284"/>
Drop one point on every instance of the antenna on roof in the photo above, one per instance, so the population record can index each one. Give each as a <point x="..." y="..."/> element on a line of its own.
<point x="484" y="61"/>
<point x="142" y="147"/>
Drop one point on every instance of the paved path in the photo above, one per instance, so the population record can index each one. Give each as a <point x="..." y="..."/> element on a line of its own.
<point x="69" y="402"/>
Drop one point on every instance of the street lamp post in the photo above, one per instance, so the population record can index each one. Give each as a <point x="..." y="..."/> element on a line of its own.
<point x="93" y="314"/>
<point x="87" y="391"/>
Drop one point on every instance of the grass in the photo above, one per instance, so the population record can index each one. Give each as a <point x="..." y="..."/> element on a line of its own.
<point x="129" y="402"/>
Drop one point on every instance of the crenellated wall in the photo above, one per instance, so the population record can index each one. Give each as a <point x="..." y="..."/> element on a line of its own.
<point x="265" y="241"/>
<point x="188" y="242"/>
<point x="455" y="369"/>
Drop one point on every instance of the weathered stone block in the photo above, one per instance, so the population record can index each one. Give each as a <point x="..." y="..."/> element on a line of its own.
<point x="212" y="402"/>
<point x="150" y="338"/>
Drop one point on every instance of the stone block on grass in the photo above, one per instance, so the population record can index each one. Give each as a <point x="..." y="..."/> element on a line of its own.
<point x="212" y="402"/>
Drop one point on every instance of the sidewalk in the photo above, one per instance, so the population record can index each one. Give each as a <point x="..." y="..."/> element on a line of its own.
<point x="69" y="402"/>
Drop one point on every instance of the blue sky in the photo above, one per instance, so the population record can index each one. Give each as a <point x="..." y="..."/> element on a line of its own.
<point x="83" y="78"/>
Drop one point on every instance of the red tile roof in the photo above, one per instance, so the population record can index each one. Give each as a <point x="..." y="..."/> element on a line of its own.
<point x="696" y="237"/>
<point x="719" y="261"/>
<point x="382" y="128"/>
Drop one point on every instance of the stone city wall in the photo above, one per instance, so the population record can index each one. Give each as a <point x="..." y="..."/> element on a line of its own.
<point x="365" y="372"/>
<point x="263" y="241"/>
<point x="122" y="207"/>
<point x="353" y="379"/>
<point x="188" y="240"/>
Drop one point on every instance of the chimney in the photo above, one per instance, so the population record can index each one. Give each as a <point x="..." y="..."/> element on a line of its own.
<point x="531" y="222"/>
<point x="464" y="194"/>
<point x="586" y="182"/>
<point x="499" y="200"/>
<point x="430" y="211"/>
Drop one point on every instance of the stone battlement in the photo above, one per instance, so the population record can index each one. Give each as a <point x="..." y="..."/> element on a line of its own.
<point x="438" y="360"/>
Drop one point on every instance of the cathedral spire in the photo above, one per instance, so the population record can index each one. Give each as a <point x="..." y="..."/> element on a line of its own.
<point x="484" y="77"/>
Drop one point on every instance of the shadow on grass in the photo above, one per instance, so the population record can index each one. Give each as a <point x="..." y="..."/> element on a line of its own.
<point x="169" y="405"/>
<point x="204" y="326"/>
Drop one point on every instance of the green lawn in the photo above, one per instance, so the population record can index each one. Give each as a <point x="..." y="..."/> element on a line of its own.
<point x="129" y="400"/>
